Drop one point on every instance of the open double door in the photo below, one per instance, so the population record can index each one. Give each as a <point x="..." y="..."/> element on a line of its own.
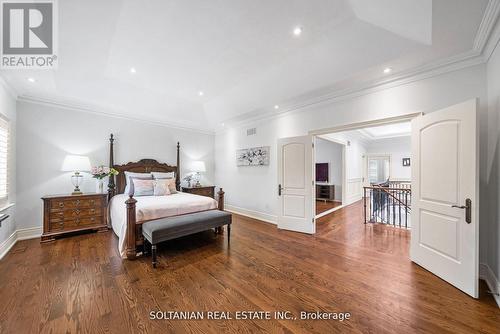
<point x="445" y="226"/>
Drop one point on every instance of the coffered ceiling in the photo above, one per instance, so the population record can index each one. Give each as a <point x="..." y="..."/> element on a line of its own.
<point x="201" y="63"/>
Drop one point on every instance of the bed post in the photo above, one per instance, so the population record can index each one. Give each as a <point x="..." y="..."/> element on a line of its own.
<point x="111" y="179"/>
<point x="220" y="195"/>
<point x="130" y="247"/>
<point x="178" y="174"/>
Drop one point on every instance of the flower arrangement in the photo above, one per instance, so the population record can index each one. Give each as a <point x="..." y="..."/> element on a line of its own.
<point x="100" y="172"/>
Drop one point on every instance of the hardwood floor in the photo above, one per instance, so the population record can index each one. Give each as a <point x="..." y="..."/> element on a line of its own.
<point x="80" y="284"/>
<point x="322" y="206"/>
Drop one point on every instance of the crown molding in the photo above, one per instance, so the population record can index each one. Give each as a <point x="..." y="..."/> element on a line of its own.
<point x="455" y="63"/>
<point x="12" y="92"/>
<point x="97" y="110"/>
<point x="486" y="26"/>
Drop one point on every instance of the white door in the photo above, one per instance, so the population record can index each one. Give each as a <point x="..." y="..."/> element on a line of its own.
<point x="444" y="235"/>
<point x="295" y="184"/>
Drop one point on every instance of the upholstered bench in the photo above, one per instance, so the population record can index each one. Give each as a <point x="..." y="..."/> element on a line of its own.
<point x="164" y="229"/>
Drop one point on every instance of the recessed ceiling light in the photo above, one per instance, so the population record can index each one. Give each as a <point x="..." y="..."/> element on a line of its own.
<point x="387" y="70"/>
<point x="200" y="93"/>
<point x="31" y="79"/>
<point x="133" y="70"/>
<point x="297" y="31"/>
<point x="276" y="106"/>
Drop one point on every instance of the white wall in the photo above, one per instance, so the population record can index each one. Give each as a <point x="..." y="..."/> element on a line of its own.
<point x="331" y="153"/>
<point x="47" y="133"/>
<point x="8" y="110"/>
<point x="492" y="181"/>
<point x="254" y="190"/>
<point x="354" y="152"/>
<point x="398" y="148"/>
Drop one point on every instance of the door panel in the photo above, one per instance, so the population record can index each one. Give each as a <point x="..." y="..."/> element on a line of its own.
<point x="444" y="175"/>
<point x="440" y="162"/>
<point x="295" y="175"/>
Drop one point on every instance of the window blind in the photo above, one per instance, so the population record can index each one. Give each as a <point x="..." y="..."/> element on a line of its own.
<point x="4" y="160"/>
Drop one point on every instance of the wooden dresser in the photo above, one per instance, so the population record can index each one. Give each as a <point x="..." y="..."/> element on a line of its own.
<point x="70" y="213"/>
<point x="208" y="191"/>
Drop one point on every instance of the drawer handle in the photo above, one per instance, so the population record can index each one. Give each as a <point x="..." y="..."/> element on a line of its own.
<point x="77" y="211"/>
<point x="92" y="202"/>
<point x="77" y="221"/>
<point x="77" y="202"/>
<point x="92" y="210"/>
<point x="92" y="219"/>
<point x="61" y="204"/>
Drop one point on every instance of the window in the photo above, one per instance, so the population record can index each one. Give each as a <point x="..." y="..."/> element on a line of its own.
<point x="378" y="169"/>
<point x="4" y="161"/>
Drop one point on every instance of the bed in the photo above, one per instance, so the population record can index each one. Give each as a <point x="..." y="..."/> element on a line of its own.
<point x="128" y="213"/>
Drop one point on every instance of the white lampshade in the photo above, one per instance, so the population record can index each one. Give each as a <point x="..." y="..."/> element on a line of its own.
<point x="198" y="166"/>
<point x="76" y="163"/>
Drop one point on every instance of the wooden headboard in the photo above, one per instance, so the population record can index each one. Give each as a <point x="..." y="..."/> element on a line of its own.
<point x="141" y="166"/>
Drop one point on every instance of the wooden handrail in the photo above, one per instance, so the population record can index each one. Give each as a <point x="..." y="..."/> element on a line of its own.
<point x="388" y="188"/>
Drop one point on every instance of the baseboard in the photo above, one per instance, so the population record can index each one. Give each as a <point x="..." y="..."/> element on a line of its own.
<point x="18" y="235"/>
<point x="7" y="244"/>
<point x="491" y="280"/>
<point x="252" y="214"/>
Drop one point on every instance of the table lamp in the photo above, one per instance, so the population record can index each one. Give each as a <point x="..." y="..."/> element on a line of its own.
<point x="198" y="167"/>
<point x="76" y="164"/>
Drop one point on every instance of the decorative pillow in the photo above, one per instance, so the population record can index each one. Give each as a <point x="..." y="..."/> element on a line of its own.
<point x="143" y="187"/>
<point x="128" y="175"/>
<point x="162" y="175"/>
<point x="171" y="184"/>
<point x="161" y="187"/>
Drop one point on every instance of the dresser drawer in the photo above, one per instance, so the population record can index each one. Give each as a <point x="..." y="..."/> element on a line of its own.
<point x="74" y="223"/>
<point x="74" y="203"/>
<point x="64" y="215"/>
<point x="67" y="213"/>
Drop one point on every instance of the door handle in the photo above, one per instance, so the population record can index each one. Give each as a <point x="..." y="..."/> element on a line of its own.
<point x="468" y="210"/>
<point x="279" y="189"/>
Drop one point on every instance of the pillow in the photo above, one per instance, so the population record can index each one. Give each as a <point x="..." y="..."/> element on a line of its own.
<point x="171" y="184"/>
<point x="161" y="187"/>
<point x="128" y="175"/>
<point x="162" y="175"/>
<point x="143" y="187"/>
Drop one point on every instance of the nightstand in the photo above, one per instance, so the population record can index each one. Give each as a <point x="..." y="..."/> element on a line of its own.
<point x="208" y="191"/>
<point x="64" y="214"/>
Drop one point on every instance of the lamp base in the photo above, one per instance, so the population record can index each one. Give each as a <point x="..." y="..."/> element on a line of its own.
<point x="77" y="191"/>
<point x="198" y="184"/>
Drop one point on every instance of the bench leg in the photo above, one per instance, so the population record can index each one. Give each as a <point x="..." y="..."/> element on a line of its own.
<point x="153" y="253"/>
<point x="228" y="234"/>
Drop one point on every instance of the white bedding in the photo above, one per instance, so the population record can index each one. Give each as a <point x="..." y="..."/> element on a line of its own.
<point x="154" y="207"/>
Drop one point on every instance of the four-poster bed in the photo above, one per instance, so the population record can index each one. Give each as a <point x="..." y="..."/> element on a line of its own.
<point x="127" y="214"/>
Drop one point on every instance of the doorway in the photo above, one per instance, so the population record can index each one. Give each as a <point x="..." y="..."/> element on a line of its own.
<point x="329" y="155"/>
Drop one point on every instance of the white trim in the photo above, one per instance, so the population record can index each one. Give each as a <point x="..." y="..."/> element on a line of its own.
<point x="18" y="235"/>
<point x="487" y="25"/>
<point x="96" y="110"/>
<point x="366" y="124"/>
<point x="265" y="217"/>
<point x="8" y="244"/>
<point x="29" y="233"/>
<point x="327" y="212"/>
<point x="486" y="274"/>
<point x="7" y="206"/>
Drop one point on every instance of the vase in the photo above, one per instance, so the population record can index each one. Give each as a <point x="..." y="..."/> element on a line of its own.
<point x="100" y="186"/>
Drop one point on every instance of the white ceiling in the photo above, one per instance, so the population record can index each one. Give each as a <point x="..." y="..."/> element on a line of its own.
<point x="241" y="54"/>
<point x="387" y="131"/>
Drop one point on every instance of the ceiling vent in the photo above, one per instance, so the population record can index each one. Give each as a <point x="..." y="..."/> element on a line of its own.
<point x="251" y="132"/>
